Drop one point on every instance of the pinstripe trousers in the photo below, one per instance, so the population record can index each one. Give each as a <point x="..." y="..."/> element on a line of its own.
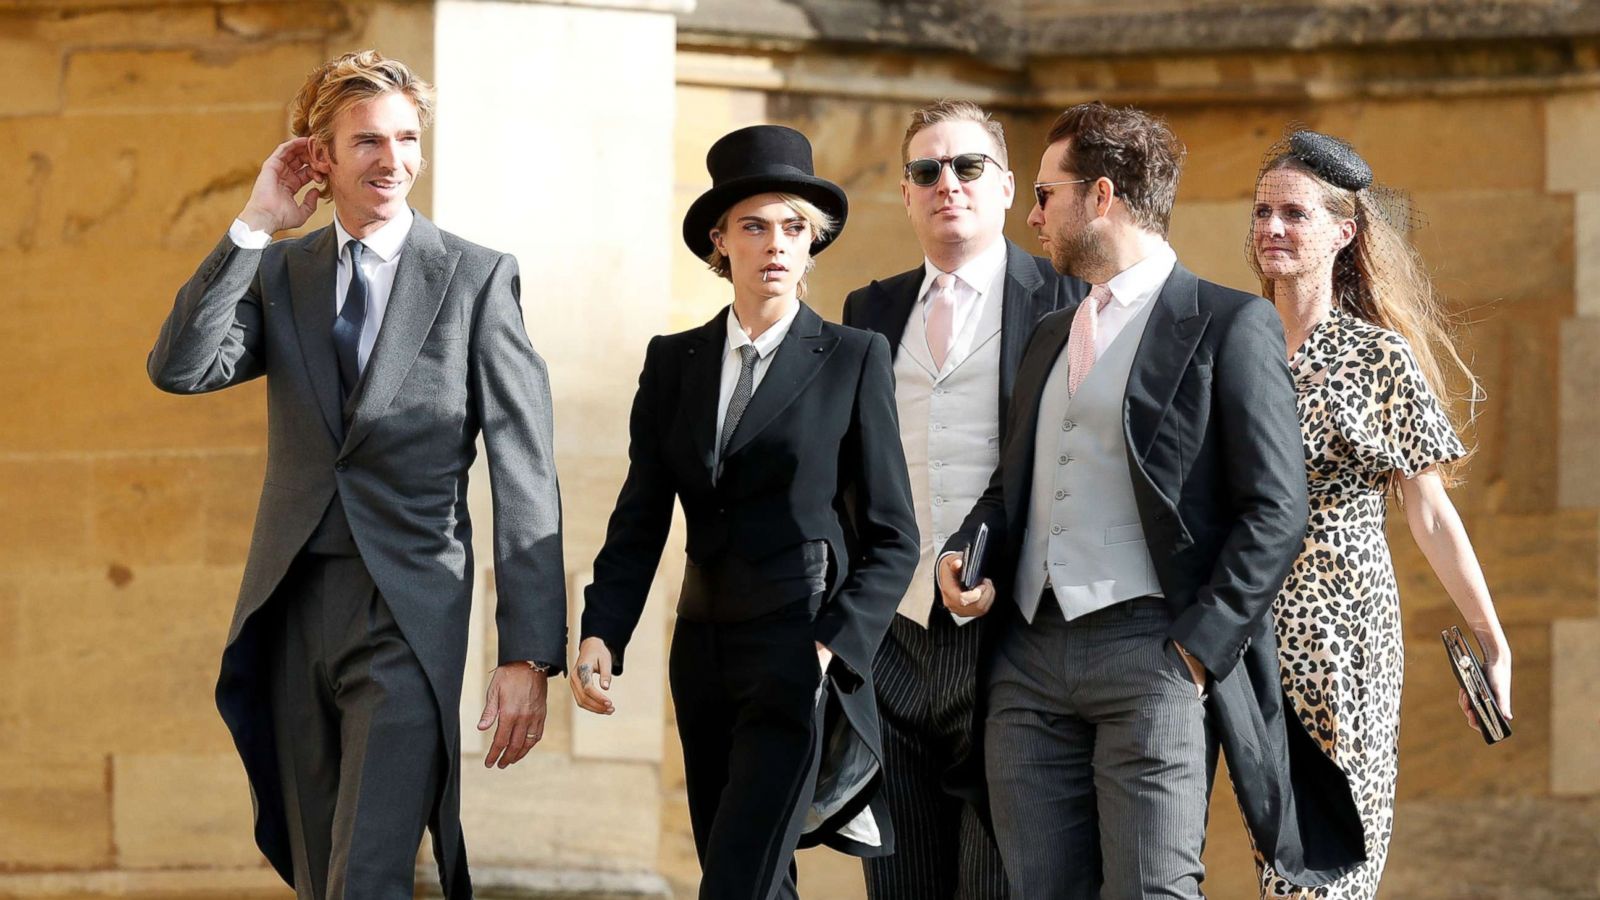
<point x="1097" y="757"/>
<point x="926" y="684"/>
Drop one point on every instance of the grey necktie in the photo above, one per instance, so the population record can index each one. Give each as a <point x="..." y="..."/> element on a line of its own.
<point x="740" y="399"/>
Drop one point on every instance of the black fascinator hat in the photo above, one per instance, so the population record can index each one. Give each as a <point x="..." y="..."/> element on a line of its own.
<point x="1335" y="161"/>
<point x="760" y="159"/>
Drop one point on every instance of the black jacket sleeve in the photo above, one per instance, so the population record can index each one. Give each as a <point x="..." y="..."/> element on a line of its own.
<point x="1264" y="479"/>
<point x="639" y="524"/>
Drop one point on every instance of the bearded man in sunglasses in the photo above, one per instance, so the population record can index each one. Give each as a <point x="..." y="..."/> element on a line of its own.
<point x="957" y="324"/>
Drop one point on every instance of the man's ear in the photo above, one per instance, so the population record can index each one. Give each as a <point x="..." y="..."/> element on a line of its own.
<point x="1105" y="193"/>
<point x="321" y="157"/>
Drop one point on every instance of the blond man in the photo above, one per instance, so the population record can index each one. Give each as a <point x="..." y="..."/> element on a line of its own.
<point x="388" y="346"/>
<point x="957" y="324"/>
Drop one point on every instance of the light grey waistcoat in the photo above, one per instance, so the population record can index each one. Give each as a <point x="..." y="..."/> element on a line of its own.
<point x="1083" y="528"/>
<point x="950" y="428"/>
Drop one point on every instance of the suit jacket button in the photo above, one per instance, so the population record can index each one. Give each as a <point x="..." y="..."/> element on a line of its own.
<point x="340" y="466"/>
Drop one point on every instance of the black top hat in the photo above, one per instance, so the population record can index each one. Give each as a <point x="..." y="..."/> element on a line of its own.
<point x="758" y="160"/>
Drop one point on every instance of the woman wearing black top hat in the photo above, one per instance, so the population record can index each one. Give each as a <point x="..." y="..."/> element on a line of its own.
<point x="777" y="432"/>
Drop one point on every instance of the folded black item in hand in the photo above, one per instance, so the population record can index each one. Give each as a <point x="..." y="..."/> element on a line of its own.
<point x="972" y="560"/>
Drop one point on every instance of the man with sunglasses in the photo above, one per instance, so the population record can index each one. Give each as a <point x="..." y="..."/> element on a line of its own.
<point x="958" y="324"/>
<point x="1140" y="525"/>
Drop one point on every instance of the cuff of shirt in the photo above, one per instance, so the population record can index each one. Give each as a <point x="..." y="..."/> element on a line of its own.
<point x="246" y="238"/>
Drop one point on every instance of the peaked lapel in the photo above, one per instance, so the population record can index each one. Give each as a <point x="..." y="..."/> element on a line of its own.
<point x="311" y="294"/>
<point x="796" y="361"/>
<point x="1169" y="340"/>
<point x="889" y="306"/>
<point x="419" y="286"/>
<point x="702" y="386"/>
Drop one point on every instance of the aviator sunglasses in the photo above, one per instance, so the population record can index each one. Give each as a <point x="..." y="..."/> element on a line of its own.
<point x="966" y="166"/>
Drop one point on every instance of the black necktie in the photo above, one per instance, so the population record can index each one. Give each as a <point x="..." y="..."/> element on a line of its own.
<point x="740" y="399"/>
<point x="347" y="325"/>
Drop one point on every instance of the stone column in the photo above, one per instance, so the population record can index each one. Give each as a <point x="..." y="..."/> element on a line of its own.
<point x="554" y="142"/>
<point x="1572" y="124"/>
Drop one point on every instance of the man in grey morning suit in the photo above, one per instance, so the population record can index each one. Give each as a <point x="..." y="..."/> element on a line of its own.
<point x="1149" y="502"/>
<point x="387" y="345"/>
<point x="957" y="325"/>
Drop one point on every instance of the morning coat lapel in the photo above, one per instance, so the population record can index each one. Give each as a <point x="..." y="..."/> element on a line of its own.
<point x="889" y="306"/>
<point x="702" y="386"/>
<point x="805" y="349"/>
<point x="1022" y="304"/>
<point x="419" y="285"/>
<point x="1168" y="342"/>
<point x="311" y="293"/>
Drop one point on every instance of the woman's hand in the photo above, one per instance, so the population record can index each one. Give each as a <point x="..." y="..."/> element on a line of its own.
<point x="591" y="677"/>
<point x="1497" y="667"/>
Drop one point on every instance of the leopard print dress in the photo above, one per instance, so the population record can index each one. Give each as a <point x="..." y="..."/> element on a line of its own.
<point x="1365" y="412"/>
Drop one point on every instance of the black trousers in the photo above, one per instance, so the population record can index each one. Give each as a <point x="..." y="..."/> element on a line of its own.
<point x="927" y="684"/>
<point x="360" y="751"/>
<point x="748" y="697"/>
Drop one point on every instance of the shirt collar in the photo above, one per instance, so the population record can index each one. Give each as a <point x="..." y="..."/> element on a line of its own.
<point x="386" y="241"/>
<point x="1141" y="281"/>
<point x="978" y="273"/>
<point x="769" y="339"/>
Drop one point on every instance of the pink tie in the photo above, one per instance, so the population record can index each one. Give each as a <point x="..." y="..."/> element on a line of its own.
<point x="941" y="317"/>
<point x="1085" y="330"/>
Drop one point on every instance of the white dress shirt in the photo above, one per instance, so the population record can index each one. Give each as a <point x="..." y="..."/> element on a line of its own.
<point x="977" y="281"/>
<point x="1131" y="289"/>
<point x="378" y="262"/>
<point x="732" y="361"/>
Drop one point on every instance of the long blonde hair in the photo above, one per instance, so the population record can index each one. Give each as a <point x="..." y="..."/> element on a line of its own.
<point x="1379" y="277"/>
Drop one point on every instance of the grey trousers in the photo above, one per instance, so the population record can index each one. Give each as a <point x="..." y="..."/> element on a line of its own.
<point x="1097" y="757"/>
<point x="357" y="731"/>
<point x="927" y="684"/>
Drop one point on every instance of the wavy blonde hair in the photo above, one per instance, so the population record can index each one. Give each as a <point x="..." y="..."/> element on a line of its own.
<point x="345" y="81"/>
<point x="1379" y="277"/>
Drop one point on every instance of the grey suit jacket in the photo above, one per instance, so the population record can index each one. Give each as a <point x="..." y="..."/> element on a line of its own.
<point x="451" y="360"/>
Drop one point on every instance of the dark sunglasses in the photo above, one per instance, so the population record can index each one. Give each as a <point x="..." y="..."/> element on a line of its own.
<point x="966" y="166"/>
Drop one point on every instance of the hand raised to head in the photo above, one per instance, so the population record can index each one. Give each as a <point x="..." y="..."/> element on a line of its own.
<point x="272" y="206"/>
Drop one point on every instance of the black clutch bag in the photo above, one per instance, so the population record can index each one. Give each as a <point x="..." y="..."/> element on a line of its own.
<point x="1469" y="674"/>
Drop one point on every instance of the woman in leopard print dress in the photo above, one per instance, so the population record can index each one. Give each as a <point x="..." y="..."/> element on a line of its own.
<point x="1365" y="345"/>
